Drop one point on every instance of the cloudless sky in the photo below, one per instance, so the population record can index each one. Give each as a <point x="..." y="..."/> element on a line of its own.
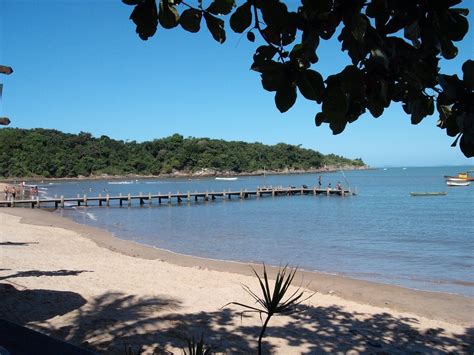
<point x="79" y="66"/>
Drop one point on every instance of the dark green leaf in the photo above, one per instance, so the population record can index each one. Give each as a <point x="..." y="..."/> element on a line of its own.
<point x="353" y="81"/>
<point x="380" y="57"/>
<point x="285" y="96"/>
<point x="451" y="86"/>
<point x="452" y="124"/>
<point x="456" y="27"/>
<point x="272" y="34"/>
<point x="468" y="73"/>
<point x="421" y="108"/>
<point x="320" y="6"/>
<point x="412" y="32"/>
<point x="319" y="119"/>
<point x="337" y="127"/>
<point x="444" y="112"/>
<point x="168" y="17"/>
<point x="216" y="27"/>
<point x="467" y="139"/>
<point x="359" y="27"/>
<point x="456" y="140"/>
<point x="251" y="36"/>
<point x="275" y="13"/>
<point x="145" y="16"/>
<point x="356" y="51"/>
<point x="375" y="107"/>
<point x="263" y="55"/>
<point x="132" y="2"/>
<point x="190" y="20"/>
<point x="241" y="19"/>
<point x="305" y="52"/>
<point x="273" y="74"/>
<point x="467" y="147"/>
<point x="451" y="3"/>
<point x="335" y="104"/>
<point x="310" y="83"/>
<point x="221" y="7"/>
<point x="376" y="7"/>
<point x="463" y="12"/>
<point x="448" y="49"/>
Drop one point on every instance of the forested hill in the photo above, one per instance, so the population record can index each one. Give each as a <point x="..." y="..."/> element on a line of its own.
<point x="51" y="153"/>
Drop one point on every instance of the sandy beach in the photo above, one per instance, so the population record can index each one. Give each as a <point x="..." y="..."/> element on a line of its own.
<point x="87" y="287"/>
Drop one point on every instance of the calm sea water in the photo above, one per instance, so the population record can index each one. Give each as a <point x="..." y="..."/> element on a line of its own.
<point x="382" y="234"/>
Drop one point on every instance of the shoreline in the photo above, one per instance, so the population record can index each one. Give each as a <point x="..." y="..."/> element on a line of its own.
<point x="176" y="175"/>
<point x="433" y="305"/>
<point x="82" y="285"/>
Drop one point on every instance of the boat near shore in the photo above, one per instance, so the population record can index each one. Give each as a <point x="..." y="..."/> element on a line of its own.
<point x="226" y="178"/>
<point x="435" y="193"/>
<point x="457" y="183"/>
<point x="464" y="176"/>
<point x="456" y="179"/>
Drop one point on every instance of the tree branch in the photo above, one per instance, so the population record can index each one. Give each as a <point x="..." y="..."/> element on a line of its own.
<point x="265" y="38"/>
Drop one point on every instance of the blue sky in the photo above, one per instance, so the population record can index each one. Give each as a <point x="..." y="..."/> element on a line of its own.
<point x="79" y="66"/>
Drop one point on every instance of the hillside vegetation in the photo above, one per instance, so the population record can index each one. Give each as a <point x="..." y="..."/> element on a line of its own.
<point x="54" y="154"/>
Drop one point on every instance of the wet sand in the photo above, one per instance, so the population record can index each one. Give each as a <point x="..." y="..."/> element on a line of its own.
<point x="84" y="285"/>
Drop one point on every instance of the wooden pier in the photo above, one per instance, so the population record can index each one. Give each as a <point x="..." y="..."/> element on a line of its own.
<point x="107" y="200"/>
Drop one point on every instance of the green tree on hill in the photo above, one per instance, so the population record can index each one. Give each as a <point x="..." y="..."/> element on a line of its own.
<point x="51" y="153"/>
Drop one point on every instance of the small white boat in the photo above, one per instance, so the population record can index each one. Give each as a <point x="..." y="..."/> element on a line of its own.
<point x="455" y="179"/>
<point x="226" y="178"/>
<point x="458" y="183"/>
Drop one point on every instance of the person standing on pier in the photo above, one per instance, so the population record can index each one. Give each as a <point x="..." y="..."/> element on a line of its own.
<point x="319" y="181"/>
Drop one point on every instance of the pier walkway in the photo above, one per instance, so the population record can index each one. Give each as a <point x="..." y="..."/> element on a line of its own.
<point x="177" y="197"/>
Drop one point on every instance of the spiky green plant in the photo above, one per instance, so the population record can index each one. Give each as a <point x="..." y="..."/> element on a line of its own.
<point x="197" y="348"/>
<point x="273" y="301"/>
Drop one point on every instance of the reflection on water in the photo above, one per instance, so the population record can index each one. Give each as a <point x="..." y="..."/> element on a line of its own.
<point x="382" y="234"/>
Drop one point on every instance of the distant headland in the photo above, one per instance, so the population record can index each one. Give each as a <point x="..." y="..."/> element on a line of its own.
<point x="47" y="153"/>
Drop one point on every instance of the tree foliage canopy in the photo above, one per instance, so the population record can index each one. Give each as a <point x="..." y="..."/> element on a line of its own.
<point x="394" y="45"/>
<point x="51" y="153"/>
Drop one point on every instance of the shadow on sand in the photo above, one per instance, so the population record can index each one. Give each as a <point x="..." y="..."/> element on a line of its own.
<point x="38" y="273"/>
<point x="27" y="306"/>
<point x="109" y="321"/>
<point x="17" y="243"/>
